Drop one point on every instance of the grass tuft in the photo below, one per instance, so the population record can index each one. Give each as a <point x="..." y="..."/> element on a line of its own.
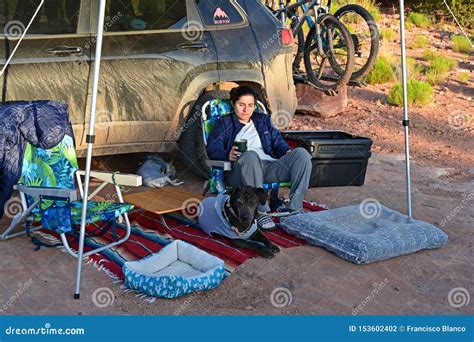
<point x="419" y="93"/>
<point x="461" y="44"/>
<point x="419" y="20"/>
<point x="382" y="71"/>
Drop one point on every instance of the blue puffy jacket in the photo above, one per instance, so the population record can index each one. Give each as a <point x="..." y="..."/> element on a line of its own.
<point x="40" y="123"/>
<point x="227" y="127"/>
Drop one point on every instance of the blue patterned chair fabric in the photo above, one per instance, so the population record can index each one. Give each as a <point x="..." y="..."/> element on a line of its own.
<point x="55" y="168"/>
<point x="218" y="108"/>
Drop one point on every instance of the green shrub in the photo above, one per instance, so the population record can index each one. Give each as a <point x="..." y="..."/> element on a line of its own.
<point x="420" y="42"/>
<point x="464" y="77"/>
<point x="462" y="9"/>
<point x="419" y="20"/>
<point x="414" y="69"/>
<point x="429" y="55"/>
<point x="382" y="71"/>
<point x="388" y="34"/>
<point x="438" y="67"/>
<point x="461" y="44"/>
<point x="419" y="93"/>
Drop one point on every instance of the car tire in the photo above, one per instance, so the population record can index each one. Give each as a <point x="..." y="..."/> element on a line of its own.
<point x="191" y="143"/>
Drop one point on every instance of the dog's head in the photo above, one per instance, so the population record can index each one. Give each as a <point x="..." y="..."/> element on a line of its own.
<point x="245" y="202"/>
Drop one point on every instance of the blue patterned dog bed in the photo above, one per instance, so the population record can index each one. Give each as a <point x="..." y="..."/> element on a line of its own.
<point x="363" y="239"/>
<point x="176" y="270"/>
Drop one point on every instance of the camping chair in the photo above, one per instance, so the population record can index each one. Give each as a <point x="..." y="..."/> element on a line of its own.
<point x="212" y="110"/>
<point x="48" y="195"/>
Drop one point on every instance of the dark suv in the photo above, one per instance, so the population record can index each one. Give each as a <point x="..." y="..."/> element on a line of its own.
<point x="160" y="59"/>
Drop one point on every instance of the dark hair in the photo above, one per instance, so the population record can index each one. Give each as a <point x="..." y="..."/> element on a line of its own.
<point x="237" y="92"/>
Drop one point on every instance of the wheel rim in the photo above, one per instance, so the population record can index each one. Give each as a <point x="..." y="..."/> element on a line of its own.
<point x="328" y="67"/>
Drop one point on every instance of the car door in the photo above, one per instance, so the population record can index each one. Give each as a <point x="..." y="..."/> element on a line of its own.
<point x="151" y="52"/>
<point x="52" y="62"/>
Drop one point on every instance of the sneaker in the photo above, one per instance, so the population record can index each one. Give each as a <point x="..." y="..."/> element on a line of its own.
<point x="265" y="222"/>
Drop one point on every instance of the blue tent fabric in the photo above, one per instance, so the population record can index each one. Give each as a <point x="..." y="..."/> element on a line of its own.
<point x="41" y="123"/>
<point x="364" y="237"/>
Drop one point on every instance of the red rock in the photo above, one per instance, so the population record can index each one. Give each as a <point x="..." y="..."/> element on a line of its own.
<point x="315" y="102"/>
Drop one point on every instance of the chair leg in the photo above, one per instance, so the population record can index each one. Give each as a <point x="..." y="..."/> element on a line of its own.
<point x="206" y="187"/>
<point x="16" y="221"/>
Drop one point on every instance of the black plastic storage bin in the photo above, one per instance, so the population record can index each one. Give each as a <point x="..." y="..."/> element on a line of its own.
<point x="339" y="159"/>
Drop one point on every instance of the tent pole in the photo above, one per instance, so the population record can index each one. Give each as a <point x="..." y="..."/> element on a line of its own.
<point x="406" y="121"/>
<point x="90" y="142"/>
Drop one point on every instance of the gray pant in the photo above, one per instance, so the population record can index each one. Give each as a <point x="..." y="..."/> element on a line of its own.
<point x="294" y="167"/>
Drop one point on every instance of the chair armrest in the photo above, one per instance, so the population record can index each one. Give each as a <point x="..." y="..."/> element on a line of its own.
<point x="37" y="191"/>
<point x="224" y="164"/>
<point x="126" y="179"/>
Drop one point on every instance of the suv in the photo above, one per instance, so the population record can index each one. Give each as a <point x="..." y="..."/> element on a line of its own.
<point x="161" y="60"/>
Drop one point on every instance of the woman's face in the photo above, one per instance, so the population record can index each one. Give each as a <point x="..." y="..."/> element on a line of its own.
<point x="244" y="108"/>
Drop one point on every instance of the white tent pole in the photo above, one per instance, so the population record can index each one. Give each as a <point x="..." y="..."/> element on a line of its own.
<point x="406" y="121"/>
<point x="90" y="142"/>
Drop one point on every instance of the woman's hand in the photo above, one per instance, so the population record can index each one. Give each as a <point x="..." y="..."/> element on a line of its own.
<point x="234" y="154"/>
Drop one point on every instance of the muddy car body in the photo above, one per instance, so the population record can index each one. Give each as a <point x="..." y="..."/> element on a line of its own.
<point x="153" y="70"/>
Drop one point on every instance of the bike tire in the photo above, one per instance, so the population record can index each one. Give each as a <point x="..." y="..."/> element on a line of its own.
<point x="300" y="50"/>
<point x="374" y="37"/>
<point x="341" y="78"/>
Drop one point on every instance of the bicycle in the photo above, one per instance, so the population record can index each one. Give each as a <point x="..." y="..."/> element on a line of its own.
<point x="358" y="21"/>
<point x="330" y="40"/>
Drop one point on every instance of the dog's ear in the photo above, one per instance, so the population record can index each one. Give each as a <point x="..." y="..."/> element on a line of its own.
<point x="262" y="195"/>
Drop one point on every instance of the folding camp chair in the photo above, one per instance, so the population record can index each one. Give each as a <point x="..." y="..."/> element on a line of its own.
<point x="48" y="195"/>
<point x="212" y="110"/>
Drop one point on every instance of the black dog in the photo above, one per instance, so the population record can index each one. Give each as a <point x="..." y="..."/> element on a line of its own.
<point x="241" y="210"/>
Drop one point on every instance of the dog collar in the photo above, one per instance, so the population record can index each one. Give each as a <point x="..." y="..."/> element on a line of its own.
<point x="235" y="229"/>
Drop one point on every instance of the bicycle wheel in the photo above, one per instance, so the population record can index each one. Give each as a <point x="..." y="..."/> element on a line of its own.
<point x="298" y="50"/>
<point x="337" y="46"/>
<point x="365" y="35"/>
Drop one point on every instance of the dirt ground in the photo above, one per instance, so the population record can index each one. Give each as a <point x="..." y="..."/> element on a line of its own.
<point x="316" y="281"/>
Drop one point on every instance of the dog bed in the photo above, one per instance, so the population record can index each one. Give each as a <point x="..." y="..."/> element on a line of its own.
<point x="364" y="238"/>
<point x="176" y="270"/>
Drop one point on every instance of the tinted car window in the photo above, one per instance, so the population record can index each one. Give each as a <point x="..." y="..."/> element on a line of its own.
<point x="215" y="12"/>
<point x="134" y="15"/>
<point x="55" y="16"/>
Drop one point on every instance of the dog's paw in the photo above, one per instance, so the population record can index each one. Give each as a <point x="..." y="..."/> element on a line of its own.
<point x="267" y="254"/>
<point x="275" y="249"/>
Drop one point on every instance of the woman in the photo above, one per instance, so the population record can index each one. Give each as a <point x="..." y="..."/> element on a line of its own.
<point x="268" y="158"/>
